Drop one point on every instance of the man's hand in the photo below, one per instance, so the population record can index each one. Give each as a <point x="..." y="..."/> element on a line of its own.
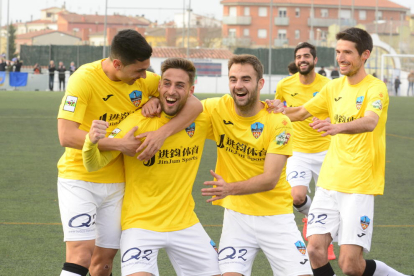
<point x="323" y="125"/>
<point x="152" y="143"/>
<point x="275" y="106"/>
<point x="98" y="130"/>
<point x="221" y="190"/>
<point x="130" y="143"/>
<point x="152" y="108"/>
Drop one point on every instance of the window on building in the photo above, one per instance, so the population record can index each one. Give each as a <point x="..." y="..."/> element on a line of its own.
<point x="324" y="13"/>
<point x="246" y="11"/>
<point x="380" y="15"/>
<point x="246" y="32"/>
<point x="297" y="12"/>
<point x="282" y="12"/>
<point x="345" y="14"/>
<point x="262" y="33"/>
<point x="75" y="29"/>
<point x="233" y="11"/>
<point x="49" y="14"/>
<point x="297" y="34"/>
<point x="362" y="15"/>
<point x="281" y="34"/>
<point x="262" y="11"/>
<point x="232" y="32"/>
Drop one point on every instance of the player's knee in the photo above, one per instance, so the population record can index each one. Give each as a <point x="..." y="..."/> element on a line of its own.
<point x="298" y="199"/>
<point x="315" y="251"/>
<point x="349" y="269"/>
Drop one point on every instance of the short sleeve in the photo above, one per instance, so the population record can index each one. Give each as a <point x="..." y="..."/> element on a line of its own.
<point x="281" y="136"/>
<point x="318" y="105"/>
<point x="377" y="98"/>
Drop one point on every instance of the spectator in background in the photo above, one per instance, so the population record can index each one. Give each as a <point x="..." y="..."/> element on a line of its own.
<point x="62" y="70"/>
<point x="37" y="69"/>
<point x="335" y="73"/>
<point x="410" y="78"/>
<point x="52" y="69"/>
<point x="397" y="83"/>
<point x="292" y="68"/>
<point x="3" y="64"/>
<point x="9" y="66"/>
<point x="322" y="71"/>
<point x="18" y="65"/>
<point x="72" y="68"/>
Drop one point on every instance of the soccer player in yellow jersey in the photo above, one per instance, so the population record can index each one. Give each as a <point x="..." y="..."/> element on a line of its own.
<point x="309" y="148"/>
<point x="250" y="181"/>
<point x="353" y="170"/>
<point x="90" y="203"/>
<point x="158" y="208"/>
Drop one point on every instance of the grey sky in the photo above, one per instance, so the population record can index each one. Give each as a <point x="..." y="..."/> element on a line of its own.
<point x="153" y="9"/>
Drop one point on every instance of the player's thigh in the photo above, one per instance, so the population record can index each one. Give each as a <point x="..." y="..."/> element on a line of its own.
<point x="191" y="252"/>
<point x="282" y="243"/>
<point x="324" y="216"/>
<point x="108" y="218"/>
<point x="298" y="171"/>
<point x="357" y="220"/>
<point x="238" y="244"/>
<point x="139" y="250"/>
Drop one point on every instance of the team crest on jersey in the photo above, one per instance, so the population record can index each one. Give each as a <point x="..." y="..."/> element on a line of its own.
<point x="190" y="130"/>
<point x="257" y="129"/>
<point x="365" y="221"/>
<point x="70" y="103"/>
<point x="301" y="247"/>
<point x="314" y="94"/>
<point x="359" y="102"/>
<point x="114" y="133"/>
<point x="136" y="97"/>
<point x="377" y="104"/>
<point x="283" y="138"/>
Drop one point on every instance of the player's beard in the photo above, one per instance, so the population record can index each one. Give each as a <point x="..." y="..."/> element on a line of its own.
<point x="249" y="102"/>
<point x="310" y="68"/>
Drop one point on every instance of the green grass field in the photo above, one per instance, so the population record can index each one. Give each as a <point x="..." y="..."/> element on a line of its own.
<point x="31" y="233"/>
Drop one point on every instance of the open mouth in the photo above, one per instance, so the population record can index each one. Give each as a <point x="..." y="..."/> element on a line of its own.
<point x="171" y="100"/>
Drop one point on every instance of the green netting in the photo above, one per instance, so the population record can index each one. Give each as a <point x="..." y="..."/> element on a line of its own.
<point x="43" y="54"/>
<point x="282" y="57"/>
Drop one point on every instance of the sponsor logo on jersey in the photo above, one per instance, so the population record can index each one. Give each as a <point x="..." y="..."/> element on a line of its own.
<point x="136" y="97"/>
<point x="257" y="129"/>
<point x="282" y="138"/>
<point x="136" y="254"/>
<point x="228" y="122"/>
<point x="213" y="244"/>
<point x="365" y="221"/>
<point x="293" y="95"/>
<point x="337" y="99"/>
<point x="70" y="103"/>
<point x="114" y="133"/>
<point x="359" y="102"/>
<point x="314" y="93"/>
<point x="82" y="220"/>
<point x="190" y="130"/>
<point x="301" y="247"/>
<point x="107" y="97"/>
<point x="377" y="104"/>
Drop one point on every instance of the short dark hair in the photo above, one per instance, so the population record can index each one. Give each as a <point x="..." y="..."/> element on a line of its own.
<point x="306" y="45"/>
<point x="249" y="59"/>
<point x="361" y="38"/>
<point x="180" y="63"/>
<point x="292" y="68"/>
<point x="130" y="46"/>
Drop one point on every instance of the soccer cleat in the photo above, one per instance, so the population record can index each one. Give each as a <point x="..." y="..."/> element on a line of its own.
<point x="331" y="253"/>
<point x="305" y="227"/>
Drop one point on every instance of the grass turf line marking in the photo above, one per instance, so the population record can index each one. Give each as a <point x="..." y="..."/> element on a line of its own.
<point x="398" y="136"/>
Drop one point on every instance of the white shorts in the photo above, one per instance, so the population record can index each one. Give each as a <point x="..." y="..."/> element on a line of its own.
<point x="278" y="237"/>
<point x="190" y="250"/>
<point x="91" y="211"/>
<point x="348" y="217"/>
<point x="302" y="167"/>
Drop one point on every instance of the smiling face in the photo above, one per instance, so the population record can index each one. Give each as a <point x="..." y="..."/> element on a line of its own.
<point x="305" y="61"/>
<point x="174" y="89"/>
<point x="244" y="86"/>
<point x="348" y="58"/>
<point x="130" y="73"/>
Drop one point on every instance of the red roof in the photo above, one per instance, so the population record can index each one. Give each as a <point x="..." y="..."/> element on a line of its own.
<point x="100" y="19"/>
<point x="358" y="3"/>
<point x="167" y="52"/>
<point x="41" y="32"/>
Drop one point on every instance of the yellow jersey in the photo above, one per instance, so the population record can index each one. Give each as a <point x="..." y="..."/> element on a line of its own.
<point x="293" y="93"/>
<point x="158" y="192"/>
<point x="242" y="145"/>
<point x="91" y="95"/>
<point x="355" y="163"/>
